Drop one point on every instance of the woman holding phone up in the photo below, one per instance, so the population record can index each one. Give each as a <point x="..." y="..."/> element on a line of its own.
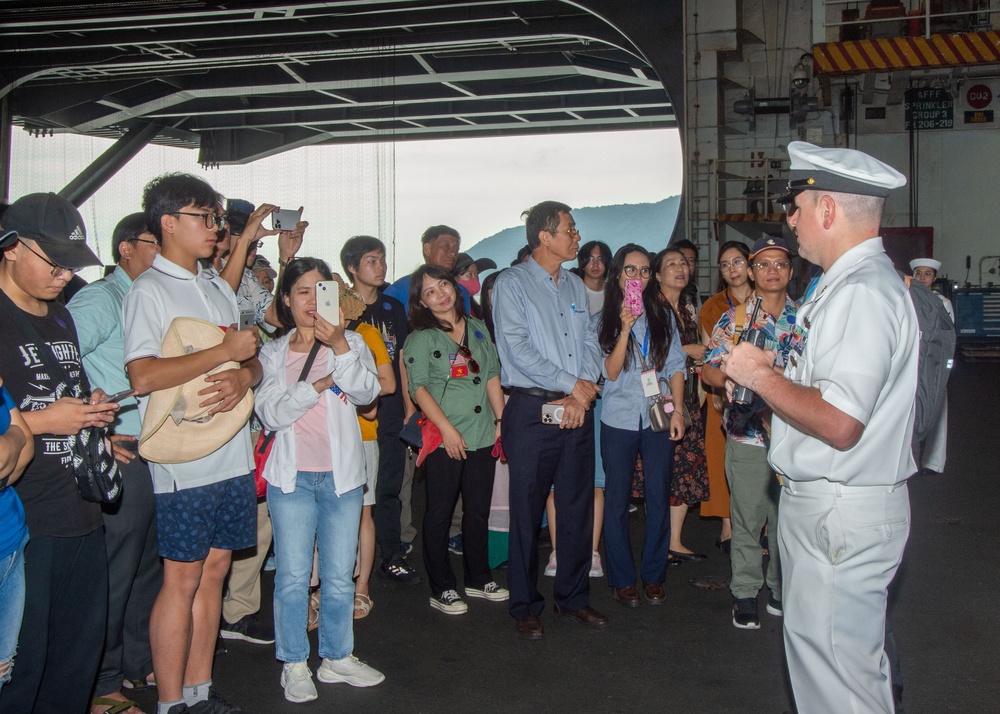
<point x="315" y="475"/>
<point x="640" y="350"/>
<point x="454" y="377"/>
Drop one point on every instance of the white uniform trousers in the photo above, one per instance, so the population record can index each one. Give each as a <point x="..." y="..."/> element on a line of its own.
<point x="840" y="549"/>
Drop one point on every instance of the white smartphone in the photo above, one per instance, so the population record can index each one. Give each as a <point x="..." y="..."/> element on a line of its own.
<point x="328" y="301"/>
<point x="285" y="220"/>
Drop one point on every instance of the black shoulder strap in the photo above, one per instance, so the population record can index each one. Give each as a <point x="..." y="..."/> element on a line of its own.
<point x="309" y="360"/>
<point x="55" y="369"/>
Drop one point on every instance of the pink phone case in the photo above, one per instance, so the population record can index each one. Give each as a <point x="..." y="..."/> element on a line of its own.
<point x="633" y="295"/>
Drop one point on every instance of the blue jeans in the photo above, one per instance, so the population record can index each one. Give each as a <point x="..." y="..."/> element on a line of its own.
<point x="619" y="449"/>
<point x="11" y="605"/>
<point x="314" y="514"/>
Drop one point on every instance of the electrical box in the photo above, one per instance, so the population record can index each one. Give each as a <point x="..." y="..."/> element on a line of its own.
<point x="977" y="313"/>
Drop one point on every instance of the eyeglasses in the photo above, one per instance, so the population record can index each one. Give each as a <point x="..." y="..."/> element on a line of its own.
<point x="211" y="219"/>
<point x="737" y="263"/>
<point x="593" y="259"/>
<point x="691" y="261"/>
<point x="467" y="353"/>
<point x="928" y="273"/>
<point x="143" y="240"/>
<point x="776" y="264"/>
<point x="571" y="231"/>
<point x="631" y="270"/>
<point x="57" y="270"/>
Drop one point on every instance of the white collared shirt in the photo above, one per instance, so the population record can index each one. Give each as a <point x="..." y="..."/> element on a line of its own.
<point x="164" y="292"/>
<point x="855" y="339"/>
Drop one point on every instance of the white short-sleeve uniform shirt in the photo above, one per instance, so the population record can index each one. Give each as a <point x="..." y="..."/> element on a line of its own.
<point x="162" y="293"/>
<point x="855" y="340"/>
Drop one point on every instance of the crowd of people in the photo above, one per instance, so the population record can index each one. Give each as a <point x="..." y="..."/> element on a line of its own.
<point x="244" y="413"/>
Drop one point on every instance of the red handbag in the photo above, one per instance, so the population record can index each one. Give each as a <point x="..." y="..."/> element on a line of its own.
<point x="262" y="449"/>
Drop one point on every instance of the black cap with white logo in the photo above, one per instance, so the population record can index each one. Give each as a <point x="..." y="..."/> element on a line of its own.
<point x="54" y="224"/>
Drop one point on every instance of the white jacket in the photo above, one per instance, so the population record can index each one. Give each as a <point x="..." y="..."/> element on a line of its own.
<point x="279" y="405"/>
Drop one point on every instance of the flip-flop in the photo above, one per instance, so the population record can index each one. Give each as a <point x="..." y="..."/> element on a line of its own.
<point x="115" y="706"/>
<point x="362" y="606"/>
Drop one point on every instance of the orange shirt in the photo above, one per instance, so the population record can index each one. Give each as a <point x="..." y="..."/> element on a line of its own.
<point x="373" y="338"/>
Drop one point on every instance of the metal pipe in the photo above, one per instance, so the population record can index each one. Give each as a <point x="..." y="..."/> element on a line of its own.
<point x="109" y="163"/>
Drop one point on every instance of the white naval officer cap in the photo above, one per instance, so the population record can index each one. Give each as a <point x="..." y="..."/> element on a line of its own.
<point x="814" y="168"/>
<point x="934" y="265"/>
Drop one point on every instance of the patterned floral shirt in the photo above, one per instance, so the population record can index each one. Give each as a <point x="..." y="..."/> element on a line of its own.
<point x="745" y="422"/>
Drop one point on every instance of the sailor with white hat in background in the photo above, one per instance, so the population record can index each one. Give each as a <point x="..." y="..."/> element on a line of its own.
<point x="841" y="434"/>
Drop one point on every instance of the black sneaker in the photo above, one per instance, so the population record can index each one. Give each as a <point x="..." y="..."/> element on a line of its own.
<point x="455" y="544"/>
<point x="180" y="708"/>
<point x="216" y="704"/>
<point x="745" y="613"/>
<point x="774" y="606"/>
<point x="399" y="571"/>
<point x="248" y="629"/>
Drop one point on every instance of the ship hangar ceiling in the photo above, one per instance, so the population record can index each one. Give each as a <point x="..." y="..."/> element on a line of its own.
<point x="242" y="80"/>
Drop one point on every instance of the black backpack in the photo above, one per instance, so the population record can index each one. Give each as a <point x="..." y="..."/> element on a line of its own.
<point x="937" y="353"/>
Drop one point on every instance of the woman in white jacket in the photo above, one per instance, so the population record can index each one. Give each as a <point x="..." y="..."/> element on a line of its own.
<point x="315" y="474"/>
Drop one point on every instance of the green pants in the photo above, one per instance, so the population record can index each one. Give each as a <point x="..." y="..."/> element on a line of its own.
<point x="754" y="492"/>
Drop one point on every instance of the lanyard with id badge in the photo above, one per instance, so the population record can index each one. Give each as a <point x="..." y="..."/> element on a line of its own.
<point x="661" y="406"/>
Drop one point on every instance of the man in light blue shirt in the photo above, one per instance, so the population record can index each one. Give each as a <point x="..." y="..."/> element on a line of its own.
<point x="550" y="357"/>
<point x="134" y="570"/>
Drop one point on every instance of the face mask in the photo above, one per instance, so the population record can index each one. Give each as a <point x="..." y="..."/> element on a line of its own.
<point x="473" y="286"/>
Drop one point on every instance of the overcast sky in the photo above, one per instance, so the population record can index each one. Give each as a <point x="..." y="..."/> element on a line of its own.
<point x="478" y="186"/>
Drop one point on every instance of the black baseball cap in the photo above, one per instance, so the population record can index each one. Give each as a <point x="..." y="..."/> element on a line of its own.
<point x="465" y="260"/>
<point x="54" y="224"/>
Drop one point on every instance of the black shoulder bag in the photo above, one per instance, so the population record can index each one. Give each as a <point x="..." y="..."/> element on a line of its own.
<point x="94" y="466"/>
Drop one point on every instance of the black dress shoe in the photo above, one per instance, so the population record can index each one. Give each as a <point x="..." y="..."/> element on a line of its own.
<point x="629" y="597"/>
<point x="724" y="545"/>
<point x="530" y="627"/>
<point x="586" y="616"/>
<point x="690" y="557"/>
<point x="672" y="561"/>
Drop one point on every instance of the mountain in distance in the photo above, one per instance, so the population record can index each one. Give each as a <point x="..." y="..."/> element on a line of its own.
<point x="648" y="224"/>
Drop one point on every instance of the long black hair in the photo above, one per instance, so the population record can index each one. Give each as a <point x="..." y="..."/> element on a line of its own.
<point x="293" y="271"/>
<point x="657" y="316"/>
<point x="681" y="315"/>
<point x="744" y="251"/>
<point x="421" y="318"/>
<point x="486" y="294"/>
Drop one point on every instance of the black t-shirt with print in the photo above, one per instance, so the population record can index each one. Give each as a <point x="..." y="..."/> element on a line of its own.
<point x="387" y="316"/>
<point x="52" y="502"/>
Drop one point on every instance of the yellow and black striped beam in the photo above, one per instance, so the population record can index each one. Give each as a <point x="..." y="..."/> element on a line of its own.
<point x="968" y="48"/>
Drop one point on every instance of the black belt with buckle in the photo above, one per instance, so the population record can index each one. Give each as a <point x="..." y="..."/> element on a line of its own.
<point x="537" y="392"/>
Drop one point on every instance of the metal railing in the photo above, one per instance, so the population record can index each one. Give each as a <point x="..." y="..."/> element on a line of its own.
<point x="908" y="19"/>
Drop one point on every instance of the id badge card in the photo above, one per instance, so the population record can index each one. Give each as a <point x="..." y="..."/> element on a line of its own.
<point x="650" y="385"/>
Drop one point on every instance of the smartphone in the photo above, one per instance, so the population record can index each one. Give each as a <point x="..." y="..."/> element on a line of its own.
<point x="328" y="301"/>
<point x="633" y="295"/>
<point x="117" y="397"/>
<point x="248" y="319"/>
<point x="552" y="413"/>
<point x="285" y="220"/>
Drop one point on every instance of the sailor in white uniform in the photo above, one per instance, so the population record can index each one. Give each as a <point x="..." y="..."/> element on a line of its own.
<point x="841" y="434"/>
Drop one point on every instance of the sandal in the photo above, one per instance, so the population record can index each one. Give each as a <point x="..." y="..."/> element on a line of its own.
<point x="362" y="606"/>
<point x="115" y="706"/>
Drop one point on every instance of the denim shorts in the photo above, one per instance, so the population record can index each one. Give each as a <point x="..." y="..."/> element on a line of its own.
<point x="220" y="515"/>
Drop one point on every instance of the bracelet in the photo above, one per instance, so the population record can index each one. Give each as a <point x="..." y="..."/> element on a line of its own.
<point x="497" y="421"/>
<point x="283" y="263"/>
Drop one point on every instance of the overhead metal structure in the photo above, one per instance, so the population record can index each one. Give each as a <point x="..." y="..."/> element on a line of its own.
<point x="240" y="81"/>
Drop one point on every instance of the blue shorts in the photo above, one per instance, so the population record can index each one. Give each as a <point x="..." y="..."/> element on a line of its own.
<point x="220" y="515"/>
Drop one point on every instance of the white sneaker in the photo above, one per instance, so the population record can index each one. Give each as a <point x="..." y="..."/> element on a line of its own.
<point x="490" y="591"/>
<point x="596" y="569"/>
<point x="350" y="670"/>
<point x="550" y="569"/>
<point x="297" y="680"/>
<point x="449" y="603"/>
